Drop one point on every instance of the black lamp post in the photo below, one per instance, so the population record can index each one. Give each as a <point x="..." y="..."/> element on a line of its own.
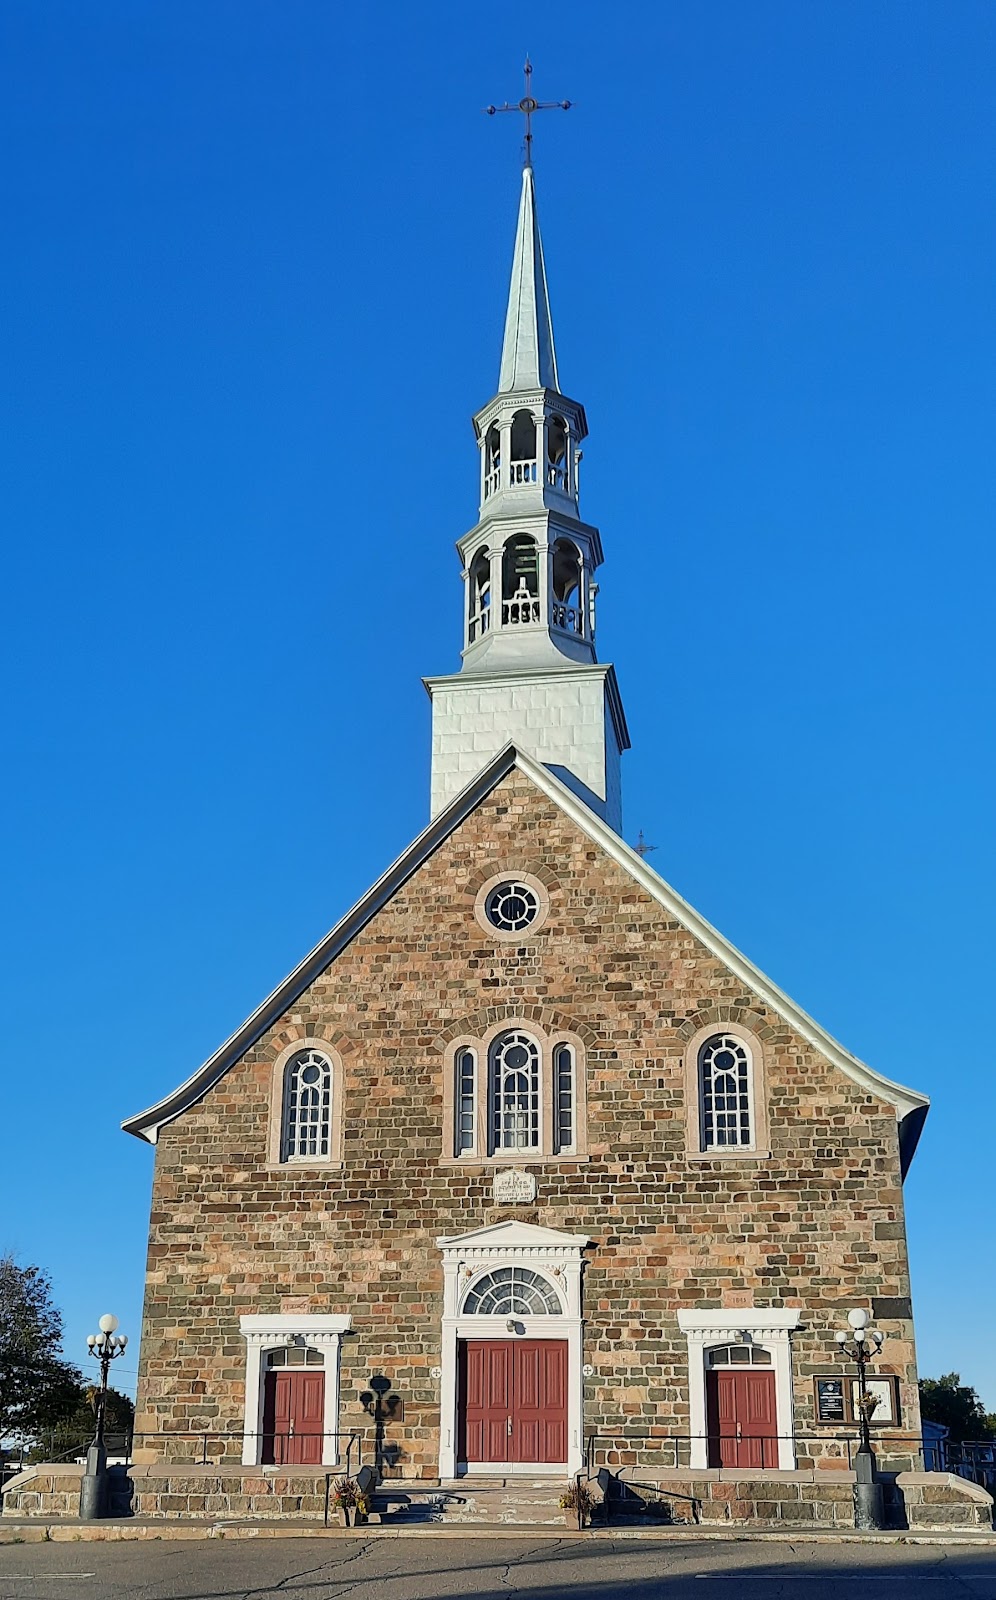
<point x="865" y="1344"/>
<point x="104" y="1346"/>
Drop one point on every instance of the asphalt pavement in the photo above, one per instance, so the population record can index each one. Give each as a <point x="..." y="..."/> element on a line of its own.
<point x="431" y="1569"/>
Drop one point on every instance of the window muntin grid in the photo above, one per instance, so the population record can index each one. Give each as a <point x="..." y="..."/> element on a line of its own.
<point x="512" y="1291"/>
<point x="515" y="1092"/>
<point x="296" y="1355"/>
<point x="563" y="1087"/>
<point x="510" y="907"/>
<point x="307" y="1107"/>
<point x="739" y="1355"/>
<point x="725" y="1092"/>
<point x="466" y="1072"/>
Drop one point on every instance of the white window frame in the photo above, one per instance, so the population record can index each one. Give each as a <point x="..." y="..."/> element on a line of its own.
<point x="265" y="1333"/>
<point x="713" y="1146"/>
<point x="768" y="1326"/>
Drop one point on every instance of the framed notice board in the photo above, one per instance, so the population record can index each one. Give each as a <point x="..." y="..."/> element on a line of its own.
<point x="831" y="1399"/>
<point x="835" y="1399"/>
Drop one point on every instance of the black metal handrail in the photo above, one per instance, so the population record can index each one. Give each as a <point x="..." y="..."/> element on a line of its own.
<point x="678" y="1444"/>
<point x="209" y="1442"/>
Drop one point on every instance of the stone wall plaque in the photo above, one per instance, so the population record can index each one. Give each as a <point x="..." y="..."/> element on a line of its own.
<point x="514" y="1188"/>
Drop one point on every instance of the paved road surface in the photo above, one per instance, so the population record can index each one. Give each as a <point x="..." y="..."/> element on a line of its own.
<point x="430" y="1569"/>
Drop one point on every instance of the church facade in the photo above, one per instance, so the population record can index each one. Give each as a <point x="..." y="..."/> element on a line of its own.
<point x="525" y="1168"/>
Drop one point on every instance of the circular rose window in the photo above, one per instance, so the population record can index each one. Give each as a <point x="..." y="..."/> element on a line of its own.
<point x="512" y="906"/>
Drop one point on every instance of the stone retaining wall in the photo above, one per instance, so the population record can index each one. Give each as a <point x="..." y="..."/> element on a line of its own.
<point x="917" y="1500"/>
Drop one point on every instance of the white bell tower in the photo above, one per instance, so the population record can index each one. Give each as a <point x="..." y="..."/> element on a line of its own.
<point x="530" y="675"/>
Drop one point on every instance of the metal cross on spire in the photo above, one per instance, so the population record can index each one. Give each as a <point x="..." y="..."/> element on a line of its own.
<point x="527" y="105"/>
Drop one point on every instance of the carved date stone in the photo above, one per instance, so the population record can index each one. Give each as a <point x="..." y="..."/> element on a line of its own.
<point x="514" y="1188"/>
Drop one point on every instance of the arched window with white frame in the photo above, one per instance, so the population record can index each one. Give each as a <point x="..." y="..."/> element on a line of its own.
<point x="565" y="1098"/>
<point x="725" y="1093"/>
<point x="515" y="1092"/>
<point x="466" y="1101"/>
<point x="306" y="1128"/>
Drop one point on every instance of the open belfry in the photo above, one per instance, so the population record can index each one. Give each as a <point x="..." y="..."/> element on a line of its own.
<point x="524" y="1172"/>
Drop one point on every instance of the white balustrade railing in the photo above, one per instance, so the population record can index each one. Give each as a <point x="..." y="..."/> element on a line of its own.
<point x="523" y="607"/>
<point x="556" y="477"/>
<point x="478" y="624"/>
<point x="492" y="483"/>
<point x="570" y="618"/>
<point x="522" y="472"/>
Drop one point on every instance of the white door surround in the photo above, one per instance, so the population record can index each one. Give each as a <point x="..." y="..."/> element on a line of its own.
<point x="766" y="1326"/>
<point x="265" y="1333"/>
<point x="555" y="1256"/>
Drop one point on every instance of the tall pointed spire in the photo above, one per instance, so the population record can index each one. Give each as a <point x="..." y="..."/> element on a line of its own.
<point x="528" y="357"/>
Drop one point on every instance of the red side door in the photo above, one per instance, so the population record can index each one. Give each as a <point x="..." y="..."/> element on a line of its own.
<point x="293" y="1418"/>
<point x="741" y="1418"/>
<point x="513" y="1400"/>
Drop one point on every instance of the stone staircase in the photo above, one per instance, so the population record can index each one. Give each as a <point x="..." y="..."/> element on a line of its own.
<point x="461" y="1500"/>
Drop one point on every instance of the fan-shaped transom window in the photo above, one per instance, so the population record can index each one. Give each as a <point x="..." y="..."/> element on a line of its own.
<point x="739" y="1355"/>
<point x="512" y="907"/>
<point x="725" y="1092"/>
<point x="515" y="1092"/>
<point x="512" y="1291"/>
<point x="307" y="1122"/>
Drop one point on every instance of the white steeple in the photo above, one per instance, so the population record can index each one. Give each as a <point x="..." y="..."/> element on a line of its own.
<point x="530" y="675"/>
<point x="528" y="357"/>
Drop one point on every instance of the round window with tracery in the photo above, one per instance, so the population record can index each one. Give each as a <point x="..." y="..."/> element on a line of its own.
<point x="512" y="906"/>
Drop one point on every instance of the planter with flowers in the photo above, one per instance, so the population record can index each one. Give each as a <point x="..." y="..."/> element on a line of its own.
<point x="577" y="1503"/>
<point x="350" y="1501"/>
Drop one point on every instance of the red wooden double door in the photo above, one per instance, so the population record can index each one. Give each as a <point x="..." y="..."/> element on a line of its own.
<point x="293" y="1418"/>
<point x="513" y="1400"/>
<point x="740" y="1407"/>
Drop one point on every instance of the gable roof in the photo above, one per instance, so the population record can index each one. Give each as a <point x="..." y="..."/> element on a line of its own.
<point x="911" y="1107"/>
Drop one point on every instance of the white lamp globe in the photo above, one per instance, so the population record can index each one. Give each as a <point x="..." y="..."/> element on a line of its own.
<point x="857" y="1319"/>
<point x="841" y="1337"/>
<point x="107" y="1323"/>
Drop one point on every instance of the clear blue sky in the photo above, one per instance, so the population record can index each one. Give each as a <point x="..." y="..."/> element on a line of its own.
<point x="253" y="271"/>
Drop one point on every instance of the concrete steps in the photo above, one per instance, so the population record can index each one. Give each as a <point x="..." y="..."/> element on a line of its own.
<point x="495" y="1501"/>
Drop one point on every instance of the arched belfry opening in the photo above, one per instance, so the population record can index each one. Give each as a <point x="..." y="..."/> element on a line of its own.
<point x="479" y="596"/>
<point x="557" y="461"/>
<point x="492" y="461"/>
<point x="523" y="443"/>
<point x="520" y="580"/>
<point x="568" y="569"/>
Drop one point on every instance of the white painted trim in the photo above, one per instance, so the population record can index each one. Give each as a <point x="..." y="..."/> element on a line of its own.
<point x="322" y="1331"/>
<point x="558" y="1258"/>
<point x="769" y="1327"/>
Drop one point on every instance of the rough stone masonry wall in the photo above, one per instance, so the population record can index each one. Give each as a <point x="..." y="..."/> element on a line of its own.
<point x="818" y="1224"/>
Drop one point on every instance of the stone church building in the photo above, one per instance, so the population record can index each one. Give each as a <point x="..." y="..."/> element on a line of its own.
<point x="525" y="1169"/>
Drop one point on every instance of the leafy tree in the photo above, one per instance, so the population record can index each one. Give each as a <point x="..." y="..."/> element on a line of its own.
<point x="957" y="1407"/>
<point x="38" y="1389"/>
<point x="73" y="1434"/>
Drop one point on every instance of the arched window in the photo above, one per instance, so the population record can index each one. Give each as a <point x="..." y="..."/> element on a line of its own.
<point x="725" y="1093"/>
<point x="466" y="1071"/>
<point x="520" y="580"/>
<point x="566" y="587"/>
<point x="556" y="453"/>
<point x="512" y="1291"/>
<point x="492" y="462"/>
<point x="523" y="451"/>
<point x="307" y="1110"/>
<point x="479" y="596"/>
<point x="563" y="1088"/>
<point x="515" y="1092"/>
